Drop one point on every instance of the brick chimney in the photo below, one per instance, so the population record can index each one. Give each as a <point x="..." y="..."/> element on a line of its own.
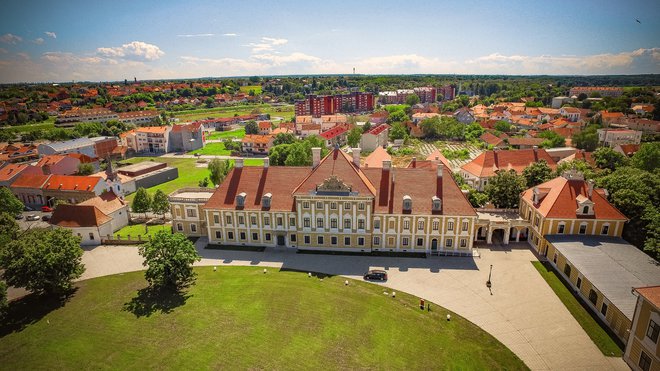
<point x="316" y="156"/>
<point x="440" y="169"/>
<point x="414" y="162"/>
<point x="387" y="165"/>
<point x="266" y="162"/>
<point x="238" y="163"/>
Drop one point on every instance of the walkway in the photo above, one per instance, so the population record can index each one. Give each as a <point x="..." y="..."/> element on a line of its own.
<point x="522" y="312"/>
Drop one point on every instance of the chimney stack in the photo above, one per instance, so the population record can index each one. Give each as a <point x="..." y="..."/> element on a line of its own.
<point x="356" y="156"/>
<point x="387" y="165"/>
<point x="238" y="163"/>
<point x="414" y="162"/>
<point x="316" y="156"/>
<point x="266" y="162"/>
<point x="535" y="148"/>
<point x="440" y="169"/>
<point x="590" y="183"/>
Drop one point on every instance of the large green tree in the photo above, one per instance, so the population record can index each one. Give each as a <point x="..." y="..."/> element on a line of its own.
<point x="412" y="99"/>
<point x="537" y="173"/>
<point x="169" y="259"/>
<point x="219" y="170"/>
<point x="3" y="296"/>
<point x="43" y="260"/>
<point x="607" y="158"/>
<point x="141" y="202"/>
<point x="473" y="131"/>
<point x="354" y="136"/>
<point x="9" y="203"/>
<point x="160" y="204"/>
<point x="284" y="138"/>
<point x="504" y="189"/>
<point x="551" y="139"/>
<point x="587" y="139"/>
<point x="85" y="169"/>
<point x="398" y="131"/>
<point x="647" y="157"/>
<point x="251" y="127"/>
<point x="9" y="229"/>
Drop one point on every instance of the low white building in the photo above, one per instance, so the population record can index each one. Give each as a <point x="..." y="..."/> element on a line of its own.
<point x="375" y="137"/>
<point x="614" y="137"/>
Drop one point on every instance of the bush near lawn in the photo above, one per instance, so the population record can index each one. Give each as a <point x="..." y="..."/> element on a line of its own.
<point x="239" y="318"/>
<point x="582" y="315"/>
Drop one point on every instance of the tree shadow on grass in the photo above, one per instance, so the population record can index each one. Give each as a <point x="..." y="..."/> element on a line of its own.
<point x="153" y="299"/>
<point x="29" y="310"/>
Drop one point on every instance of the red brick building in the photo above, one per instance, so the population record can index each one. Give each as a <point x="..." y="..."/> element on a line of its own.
<point x="316" y="105"/>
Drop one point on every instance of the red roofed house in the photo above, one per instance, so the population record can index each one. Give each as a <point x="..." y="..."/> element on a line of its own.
<point x="477" y="172"/>
<point x="187" y="137"/>
<point x="72" y="189"/>
<point x="569" y="205"/>
<point x="376" y="136"/>
<point x="59" y="164"/>
<point x="376" y="158"/>
<point x="338" y="205"/>
<point x="257" y="144"/>
<point x="10" y="172"/>
<point x="613" y="137"/>
<point x="265" y="127"/>
<point x="93" y="219"/>
<point x="627" y="149"/>
<point x="495" y="141"/>
<point x="335" y="136"/>
<point x="28" y="189"/>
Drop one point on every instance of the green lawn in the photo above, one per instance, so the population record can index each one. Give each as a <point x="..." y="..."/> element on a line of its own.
<point x="219" y="135"/>
<point x="239" y="318"/>
<point x="256" y="88"/>
<point x="230" y="111"/>
<point x="584" y="317"/>
<point x="212" y="149"/>
<point x="139" y="229"/>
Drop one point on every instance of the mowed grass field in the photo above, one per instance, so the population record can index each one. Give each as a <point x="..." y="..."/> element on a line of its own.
<point x="221" y="135"/>
<point x="255" y="88"/>
<point x="189" y="173"/>
<point x="139" y="229"/>
<point x="285" y="111"/>
<point x="212" y="149"/>
<point x="239" y="318"/>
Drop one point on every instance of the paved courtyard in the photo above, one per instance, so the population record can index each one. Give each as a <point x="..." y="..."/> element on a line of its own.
<point x="522" y="312"/>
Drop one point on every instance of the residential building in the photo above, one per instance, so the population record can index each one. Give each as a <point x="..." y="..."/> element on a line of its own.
<point x="477" y="172"/>
<point x="642" y="109"/>
<point x="257" y="144"/>
<point x="420" y="116"/>
<point x="58" y="164"/>
<point x="337" y="205"/>
<point x="627" y="149"/>
<point x="643" y="348"/>
<point x="336" y="136"/>
<point x="446" y="92"/>
<point x="152" y="139"/>
<point x="426" y="94"/>
<point x="644" y="125"/>
<point x="611" y="118"/>
<point x="145" y="174"/>
<point x="187" y="210"/>
<point x="375" y="137"/>
<point x="499" y="142"/>
<point x="100" y="147"/>
<point x="557" y="102"/>
<point x="464" y="116"/>
<point x="613" y="137"/>
<point x="265" y="127"/>
<point x="604" y="91"/>
<point x="15" y="153"/>
<point x="139" y="117"/>
<point x="71" y="189"/>
<point x="78" y="115"/>
<point x="316" y="105"/>
<point x="187" y="137"/>
<point x="94" y="219"/>
<point x="571" y="113"/>
<point x="569" y="205"/>
<point x="10" y="172"/>
<point x="28" y="189"/>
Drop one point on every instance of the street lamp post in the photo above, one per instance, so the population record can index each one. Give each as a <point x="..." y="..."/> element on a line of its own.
<point x="488" y="283"/>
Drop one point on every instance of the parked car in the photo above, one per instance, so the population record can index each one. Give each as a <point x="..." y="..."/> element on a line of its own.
<point x="47" y="209"/>
<point x="197" y="154"/>
<point x="32" y="217"/>
<point x="28" y="208"/>
<point x="376" y="275"/>
<point x="45" y="218"/>
<point x="18" y="216"/>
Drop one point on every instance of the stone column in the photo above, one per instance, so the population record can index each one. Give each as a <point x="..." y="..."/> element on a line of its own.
<point x="517" y="235"/>
<point x="507" y="231"/>
<point x="489" y="237"/>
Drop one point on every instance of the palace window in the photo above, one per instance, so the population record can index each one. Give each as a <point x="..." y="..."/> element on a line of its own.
<point x="593" y="297"/>
<point x="406" y="224"/>
<point x="306" y="222"/>
<point x="333" y="240"/>
<point x="253" y="220"/>
<point x="420" y="242"/>
<point x="319" y="222"/>
<point x="242" y="236"/>
<point x="376" y="240"/>
<point x="450" y="226"/>
<point x="267" y="236"/>
<point x="347" y="224"/>
<point x="652" y="331"/>
<point x="361" y="206"/>
<point x="228" y="219"/>
<point x="280" y="221"/>
<point x="293" y="238"/>
<point x="407" y="203"/>
<point x="560" y="229"/>
<point x="605" y="229"/>
<point x="216" y="219"/>
<point x="333" y="206"/>
<point x="255" y="236"/>
<point x="449" y="242"/>
<point x="241" y="220"/>
<point x="333" y="223"/>
<point x="319" y="240"/>
<point x="319" y="205"/>
<point x="644" y="361"/>
<point x="240" y="199"/>
<point x="292" y="222"/>
<point x="347" y="205"/>
<point x="266" y="220"/>
<point x="193" y="228"/>
<point x="420" y="225"/>
<point x="218" y="234"/>
<point x="360" y="241"/>
<point x="567" y="270"/>
<point x="463" y="242"/>
<point x="191" y="213"/>
<point x="579" y="282"/>
<point x="179" y="227"/>
<point x="583" y="228"/>
<point x="307" y="240"/>
<point x="436" y="225"/>
<point x="436" y="203"/>
<point x="404" y="241"/>
<point x="230" y="235"/>
<point x="376" y="223"/>
<point x="603" y="309"/>
<point x="305" y="204"/>
<point x="347" y="241"/>
<point x="465" y="226"/>
<point x="360" y="223"/>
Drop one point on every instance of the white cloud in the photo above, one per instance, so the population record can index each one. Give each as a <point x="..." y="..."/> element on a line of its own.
<point x="404" y="63"/>
<point x="266" y="44"/>
<point x="197" y="35"/>
<point x="10" y="39"/>
<point x="38" y="41"/>
<point x="136" y="50"/>
<point x="230" y="34"/>
<point x="51" y="34"/>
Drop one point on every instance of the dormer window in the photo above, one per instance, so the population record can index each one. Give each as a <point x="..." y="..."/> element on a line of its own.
<point x="437" y="203"/>
<point x="240" y="199"/>
<point x="407" y="203"/>
<point x="265" y="200"/>
<point x="584" y="206"/>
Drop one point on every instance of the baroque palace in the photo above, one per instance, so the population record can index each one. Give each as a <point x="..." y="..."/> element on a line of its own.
<point x="334" y="205"/>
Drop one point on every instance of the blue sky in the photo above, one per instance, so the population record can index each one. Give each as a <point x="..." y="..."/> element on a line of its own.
<point x="113" y="40"/>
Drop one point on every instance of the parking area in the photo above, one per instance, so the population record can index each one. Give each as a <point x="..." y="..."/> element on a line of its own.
<point x="26" y="223"/>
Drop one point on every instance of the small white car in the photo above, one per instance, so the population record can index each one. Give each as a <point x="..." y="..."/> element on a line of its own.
<point x="32" y="217"/>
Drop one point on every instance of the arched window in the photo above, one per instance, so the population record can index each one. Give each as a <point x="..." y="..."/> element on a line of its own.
<point x="593" y="297"/>
<point x="407" y="203"/>
<point x="585" y="210"/>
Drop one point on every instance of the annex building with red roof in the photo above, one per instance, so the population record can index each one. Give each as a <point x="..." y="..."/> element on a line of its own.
<point x="337" y="204"/>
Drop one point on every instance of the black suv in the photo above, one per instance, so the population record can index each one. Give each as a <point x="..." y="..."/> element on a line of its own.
<point x="376" y="275"/>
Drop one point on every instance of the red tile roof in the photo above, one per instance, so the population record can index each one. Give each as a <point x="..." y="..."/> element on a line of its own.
<point x="378" y="129"/>
<point x="525" y="141"/>
<point x="334" y="132"/>
<point x="30" y="181"/>
<point x="340" y="164"/>
<point x="73" y="216"/>
<point x="107" y="203"/>
<point x="560" y="201"/>
<point x="50" y="160"/>
<point x="651" y="294"/>
<point x="12" y="170"/>
<point x="492" y="139"/>
<point x="376" y="158"/>
<point x="438" y="156"/>
<point x="629" y="149"/>
<point x="72" y="183"/>
<point x="488" y="162"/>
<point x="84" y="159"/>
